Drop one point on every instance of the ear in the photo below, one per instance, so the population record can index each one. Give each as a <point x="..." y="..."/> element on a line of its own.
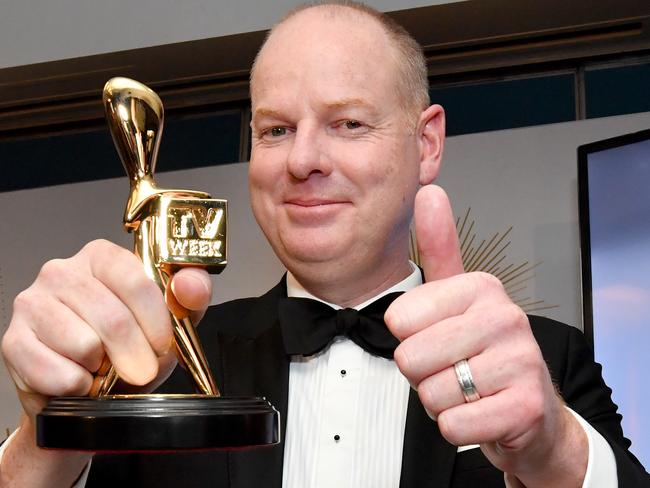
<point x="431" y="142"/>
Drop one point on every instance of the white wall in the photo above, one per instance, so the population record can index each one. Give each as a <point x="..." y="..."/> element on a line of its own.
<point x="527" y="178"/>
<point x="34" y="31"/>
<point x="521" y="177"/>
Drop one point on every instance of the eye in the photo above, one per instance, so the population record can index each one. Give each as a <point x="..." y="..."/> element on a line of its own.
<point x="274" y="132"/>
<point x="352" y="124"/>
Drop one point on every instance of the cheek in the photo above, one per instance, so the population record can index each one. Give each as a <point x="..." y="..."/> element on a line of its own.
<point x="396" y="188"/>
<point x="255" y="171"/>
<point x="406" y="170"/>
<point x="263" y="211"/>
<point x="264" y="171"/>
<point x="397" y="179"/>
<point x="260" y="186"/>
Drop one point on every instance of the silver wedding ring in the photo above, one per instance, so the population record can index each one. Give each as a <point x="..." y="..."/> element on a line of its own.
<point x="466" y="382"/>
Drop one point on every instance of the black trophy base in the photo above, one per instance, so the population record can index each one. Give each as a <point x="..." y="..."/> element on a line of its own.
<point x="119" y="423"/>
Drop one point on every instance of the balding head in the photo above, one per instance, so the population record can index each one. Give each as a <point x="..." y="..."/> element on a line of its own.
<point x="339" y="148"/>
<point x="405" y="54"/>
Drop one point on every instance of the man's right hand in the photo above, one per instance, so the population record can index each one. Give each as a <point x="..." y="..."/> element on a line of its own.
<point x="97" y="303"/>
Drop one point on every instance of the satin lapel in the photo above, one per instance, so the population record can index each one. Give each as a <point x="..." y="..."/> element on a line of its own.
<point x="428" y="459"/>
<point x="258" y="365"/>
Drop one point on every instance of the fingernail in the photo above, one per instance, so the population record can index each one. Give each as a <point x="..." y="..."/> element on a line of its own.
<point x="191" y="277"/>
<point x="168" y="349"/>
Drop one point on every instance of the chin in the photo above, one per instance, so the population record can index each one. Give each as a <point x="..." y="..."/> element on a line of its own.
<point x="312" y="254"/>
<point x="312" y="250"/>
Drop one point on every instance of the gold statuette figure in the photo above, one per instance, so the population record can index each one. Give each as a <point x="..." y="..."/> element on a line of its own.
<point x="171" y="228"/>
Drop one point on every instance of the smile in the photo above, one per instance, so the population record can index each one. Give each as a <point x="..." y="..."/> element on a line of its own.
<point x="313" y="202"/>
<point x="314" y="210"/>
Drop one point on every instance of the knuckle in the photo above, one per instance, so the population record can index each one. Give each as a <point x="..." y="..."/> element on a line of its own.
<point x="517" y="315"/>
<point x="14" y="344"/>
<point x="426" y="396"/>
<point x="52" y="270"/>
<point x="521" y="360"/>
<point x="160" y="339"/>
<point x="104" y="251"/>
<point x="395" y="318"/>
<point x="513" y="317"/>
<point x="140" y="283"/>
<point x="526" y="360"/>
<point x="401" y="316"/>
<point x="91" y="352"/>
<point x="9" y="344"/>
<point x="98" y="246"/>
<point x="73" y="383"/>
<point x="402" y="359"/>
<point x="116" y="323"/>
<point x="445" y="424"/>
<point x="531" y="407"/>
<point x="24" y="301"/>
<point x="485" y="280"/>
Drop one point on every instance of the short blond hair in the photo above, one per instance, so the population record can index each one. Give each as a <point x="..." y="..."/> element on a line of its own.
<point x="413" y="84"/>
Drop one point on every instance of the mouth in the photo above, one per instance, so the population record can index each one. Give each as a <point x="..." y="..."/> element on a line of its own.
<point x="313" y="210"/>
<point x="313" y="202"/>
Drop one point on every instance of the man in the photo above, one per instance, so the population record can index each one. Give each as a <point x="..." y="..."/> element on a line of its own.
<point x="342" y="140"/>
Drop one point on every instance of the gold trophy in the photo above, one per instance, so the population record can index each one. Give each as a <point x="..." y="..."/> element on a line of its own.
<point x="172" y="228"/>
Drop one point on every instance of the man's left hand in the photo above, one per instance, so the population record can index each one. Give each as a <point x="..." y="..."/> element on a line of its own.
<point x="519" y="421"/>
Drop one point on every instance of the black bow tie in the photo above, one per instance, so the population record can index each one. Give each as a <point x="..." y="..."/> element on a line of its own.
<point x="308" y="326"/>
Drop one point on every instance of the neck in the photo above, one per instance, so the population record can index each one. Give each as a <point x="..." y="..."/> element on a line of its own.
<point x="350" y="291"/>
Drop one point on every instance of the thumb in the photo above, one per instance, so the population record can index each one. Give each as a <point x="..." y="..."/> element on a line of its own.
<point x="435" y="233"/>
<point x="191" y="293"/>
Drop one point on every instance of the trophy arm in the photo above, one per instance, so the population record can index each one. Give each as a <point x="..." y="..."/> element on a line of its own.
<point x="143" y="193"/>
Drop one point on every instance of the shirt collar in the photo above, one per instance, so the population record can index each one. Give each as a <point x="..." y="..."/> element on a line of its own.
<point x="296" y="290"/>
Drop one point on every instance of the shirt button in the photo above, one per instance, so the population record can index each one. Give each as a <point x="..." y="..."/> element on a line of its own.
<point x="343" y="372"/>
<point x="337" y="438"/>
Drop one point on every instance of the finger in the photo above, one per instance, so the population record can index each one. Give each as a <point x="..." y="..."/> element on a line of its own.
<point x="192" y="289"/>
<point x="63" y="331"/>
<point x="123" y="274"/>
<point x="125" y="343"/>
<point x="435" y="233"/>
<point x="438" y="347"/>
<point x="442" y="391"/>
<point x="432" y="302"/>
<point x="42" y="370"/>
<point x="503" y="417"/>
<point x="166" y="365"/>
<point x="504" y="453"/>
<point x="428" y="304"/>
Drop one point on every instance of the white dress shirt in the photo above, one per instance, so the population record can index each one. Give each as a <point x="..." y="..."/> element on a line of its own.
<point x="347" y="413"/>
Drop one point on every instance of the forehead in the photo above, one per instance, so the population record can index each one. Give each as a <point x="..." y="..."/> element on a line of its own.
<point x="329" y="54"/>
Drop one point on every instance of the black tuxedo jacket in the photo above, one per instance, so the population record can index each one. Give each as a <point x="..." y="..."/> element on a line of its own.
<point x="243" y="342"/>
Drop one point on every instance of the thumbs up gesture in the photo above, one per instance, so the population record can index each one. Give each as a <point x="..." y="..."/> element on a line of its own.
<point x="514" y="412"/>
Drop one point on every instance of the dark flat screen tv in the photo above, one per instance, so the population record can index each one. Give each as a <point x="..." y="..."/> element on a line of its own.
<point x="614" y="197"/>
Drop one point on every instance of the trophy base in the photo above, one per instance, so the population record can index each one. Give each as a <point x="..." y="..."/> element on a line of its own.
<point x="119" y="423"/>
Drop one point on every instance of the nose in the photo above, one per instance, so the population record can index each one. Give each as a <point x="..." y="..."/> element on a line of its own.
<point x="307" y="155"/>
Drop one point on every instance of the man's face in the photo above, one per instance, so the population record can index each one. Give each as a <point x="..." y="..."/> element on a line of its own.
<point x="335" y="162"/>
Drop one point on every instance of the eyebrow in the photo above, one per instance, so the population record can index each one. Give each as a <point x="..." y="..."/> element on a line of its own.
<point x="266" y="112"/>
<point x="348" y="102"/>
<point x="332" y="105"/>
